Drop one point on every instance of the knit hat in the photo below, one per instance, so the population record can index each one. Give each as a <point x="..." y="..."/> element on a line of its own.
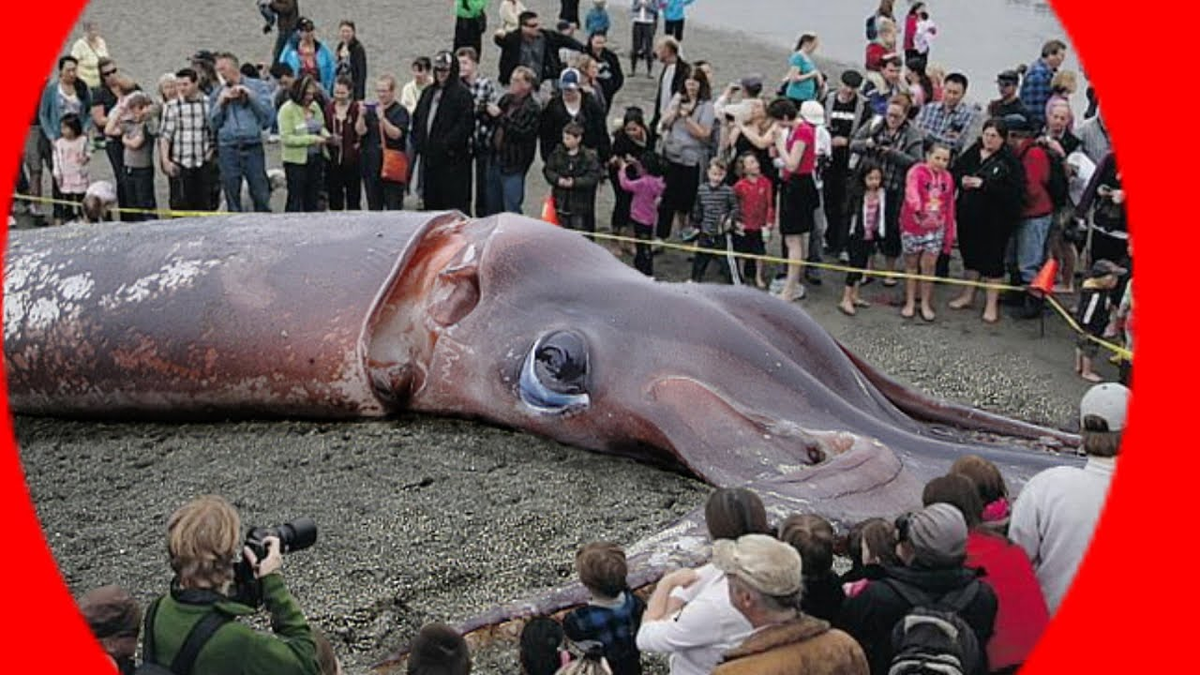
<point x="765" y="563"/>
<point x="938" y="534"/>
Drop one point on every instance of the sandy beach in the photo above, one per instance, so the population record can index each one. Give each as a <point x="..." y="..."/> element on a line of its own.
<point x="421" y="518"/>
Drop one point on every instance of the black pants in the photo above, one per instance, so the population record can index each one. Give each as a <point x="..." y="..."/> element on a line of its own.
<point x="139" y="186"/>
<point x="643" y="46"/>
<point x="751" y="242"/>
<point x="643" y="259"/>
<point x="383" y="195"/>
<point x="72" y="211"/>
<point x="196" y="187"/>
<point x="860" y="252"/>
<point x="116" y="157"/>
<point x="448" y="186"/>
<point x="483" y="205"/>
<point x="576" y="221"/>
<point x="674" y="29"/>
<point x="700" y="261"/>
<point x="344" y="183"/>
<point x="303" y="185"/>
<point x="834" y="197"/>
<point x="622" y="204"/>
<point x="46" y="153"/>
<point x="469" y="33"/>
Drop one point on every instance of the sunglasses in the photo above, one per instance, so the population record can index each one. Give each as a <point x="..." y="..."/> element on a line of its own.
<point x="108" y="72"/>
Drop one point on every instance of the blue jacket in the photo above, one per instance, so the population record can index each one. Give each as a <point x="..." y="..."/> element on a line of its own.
<point x="50" y="114"/>
<point x="242" y="121"/>
<point x="326" y="61"/>
<point x="673" y="9"/>
<point x="597" y="21"/>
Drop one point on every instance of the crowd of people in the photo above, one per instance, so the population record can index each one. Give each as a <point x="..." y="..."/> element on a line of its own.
<point x="968" y="584"/>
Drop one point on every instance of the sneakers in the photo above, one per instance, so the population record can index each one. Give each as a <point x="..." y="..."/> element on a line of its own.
<point x="689" y="234"/>
<point x="844" y="257"/>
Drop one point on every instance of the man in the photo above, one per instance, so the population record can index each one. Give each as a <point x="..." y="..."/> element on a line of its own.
<point x="1035" y="90"/>
<point x="670" y="81"/>
<point x="765" y="585"/>
<point x="882" y="87"/>
<point x="287" y="15"/>
<point x="115" y="621"/>
<point x="950" y="120"/>
<point x="483" y="94"/>
<point x="846" y="111"/>
<point x="113" y="87"/>
<point x="205" y="548"/>
<point x="734" y="104"/>
<point x="470" y="20"/>
<point x="1009" y="102"/>
<point x="573" y="104"/>
<point x="533" y="47"/>
<point x="611" y="75"/>
<point x="442" y="129"/>
<point x="517" y="117"/>
<point x="187" y="143"/>
<point x="1056" y="513"/>
<point x="240" y="110"/>
<point x="64" y="94"/>
<point x="1029" y="250"/>
<point x="932" y="547"/>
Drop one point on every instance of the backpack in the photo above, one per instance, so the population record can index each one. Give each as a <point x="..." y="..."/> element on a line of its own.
<point x="185" y="659"/>
<point x="932" y="638"/>
<point x="1059" y="185"/>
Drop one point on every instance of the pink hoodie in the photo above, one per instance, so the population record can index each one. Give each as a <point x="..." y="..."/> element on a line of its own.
<point x="929" y="203"/>
<point x="646" y="190"/>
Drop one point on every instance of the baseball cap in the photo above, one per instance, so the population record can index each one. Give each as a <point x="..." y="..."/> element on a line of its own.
<point x="563" y="25"/>
<point x="938" y="534"/>
<point x="1008" y="77"/>
<point x="752" y="83"/>
<point x="1017" y="122"/>
<point x="763" y="562"/>
<point x="812" y="112"/>
<point x="1108" y="401"/>
<point x="569" y="79"/>
<point x="852" y="78"/>
<point x="110" y="611"/>
<point x="1103" y="268"/>
<point x="443" y="60"/>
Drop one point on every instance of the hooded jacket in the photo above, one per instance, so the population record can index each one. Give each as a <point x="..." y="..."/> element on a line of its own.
<point x="510" y="53"/>
<point x="448" y="141"/>
<point x="326" y="61"/>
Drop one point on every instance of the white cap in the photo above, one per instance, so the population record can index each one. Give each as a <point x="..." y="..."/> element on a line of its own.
<point x="813" y="113"/>
<point x="1108" y="401"/>
<point x="765" y="563"/>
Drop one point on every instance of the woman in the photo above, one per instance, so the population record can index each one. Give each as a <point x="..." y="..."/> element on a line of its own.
<point x="344" y="179"/>
<point x="756" y="135"/>
<point x="309" y="56"/>
<point x="803" y="80"/>
<point x="385" y="122"/>
<point x="885" y="11"/>
<point x="630" y="143"/>
<point x="510" y="13"/>
<point x="686" y="128"/>
<point x="1062" y="88"/>
<point x="911" y="19"/>
<point x="351" y="59"/>
<point x="610" y="75"/>
<point x="590" y="82"/>
<point x="796" y="148"/>
<point x="1021" y="615"/>
<point x="883" y="45"/>
<point x="993" y="491"/>
<point x="303" y="138"/>
<point x="991" y="184"/>
<point x="88" y="50"/>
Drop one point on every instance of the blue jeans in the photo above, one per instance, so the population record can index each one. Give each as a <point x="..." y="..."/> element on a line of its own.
<point x="244" y="161"/>
<point x="506" y="189"/>
<point x="1030" y="246"/>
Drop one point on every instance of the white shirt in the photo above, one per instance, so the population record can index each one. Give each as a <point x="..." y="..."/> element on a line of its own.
<point x="700" y="633"/>
<point x="1053" y="520"/>
<point x="664" y="88"/>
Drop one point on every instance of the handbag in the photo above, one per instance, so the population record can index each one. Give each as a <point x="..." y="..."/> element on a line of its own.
<point x="395" y="162"/>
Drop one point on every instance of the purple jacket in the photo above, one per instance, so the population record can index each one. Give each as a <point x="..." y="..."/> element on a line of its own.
<point x="646" y="190"/>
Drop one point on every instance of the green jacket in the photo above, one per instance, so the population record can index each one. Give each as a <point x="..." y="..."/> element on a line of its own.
<point x="469" y="9"/>
<point x="292" y="135"/>
<point x="238" y="649"/>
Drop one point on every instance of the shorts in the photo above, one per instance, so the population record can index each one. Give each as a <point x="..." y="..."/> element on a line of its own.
<point x="798" y="202"/>
<point x="1086" y="346"/>
<point x="924" y="242"/>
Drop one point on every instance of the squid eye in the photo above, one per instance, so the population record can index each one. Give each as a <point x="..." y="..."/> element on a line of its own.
<point x="554" y="375"/>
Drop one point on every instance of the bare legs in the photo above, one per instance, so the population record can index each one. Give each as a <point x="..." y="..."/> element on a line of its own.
<point x="926" y="264"/>
<point x="792" y="290"/>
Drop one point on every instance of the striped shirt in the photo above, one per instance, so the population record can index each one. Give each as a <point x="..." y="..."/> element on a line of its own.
<point x="715" y="208"/>
<point x="187" y="130"/>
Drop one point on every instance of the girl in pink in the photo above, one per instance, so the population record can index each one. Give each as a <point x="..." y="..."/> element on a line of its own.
<point x="927" y="226"/>
<point x="71" y="160"/>
<point x="756" y="203"/>
<point x="646" y="187"/>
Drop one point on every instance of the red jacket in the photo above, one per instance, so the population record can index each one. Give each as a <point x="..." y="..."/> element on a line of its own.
<point x="1037" y="179"/>
<point x="875" y="54"/>
<point x="1021" y="615"/>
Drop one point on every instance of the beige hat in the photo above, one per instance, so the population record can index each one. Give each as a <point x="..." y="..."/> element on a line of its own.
<point x="765" y="563"/>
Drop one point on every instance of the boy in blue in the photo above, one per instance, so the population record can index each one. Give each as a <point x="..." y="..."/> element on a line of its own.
<point x="613" y="615"/>
<point x="597" y="20"/>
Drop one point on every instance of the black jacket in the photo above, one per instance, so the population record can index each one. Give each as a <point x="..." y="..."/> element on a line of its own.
<point x="448" y="142"/>
<point x="610" y="63"/>
<point x="358" y="68"/>
<point x="510" y="54"/>
<point x="516" y="136"/>
<point x="870" y="616"/>
<point x="591" y="116"/>
<point x="584" y="168"/>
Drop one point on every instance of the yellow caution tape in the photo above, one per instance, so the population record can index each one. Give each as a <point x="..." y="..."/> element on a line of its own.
<point x="169" y="213"/>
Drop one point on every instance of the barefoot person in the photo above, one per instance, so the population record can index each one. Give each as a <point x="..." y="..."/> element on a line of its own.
<point x="927" y="225"/>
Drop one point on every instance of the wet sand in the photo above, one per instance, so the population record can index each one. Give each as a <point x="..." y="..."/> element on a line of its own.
<point x="431" y="519"/>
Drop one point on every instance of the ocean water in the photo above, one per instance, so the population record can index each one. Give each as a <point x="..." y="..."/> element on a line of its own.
<point x="979" y="38"/>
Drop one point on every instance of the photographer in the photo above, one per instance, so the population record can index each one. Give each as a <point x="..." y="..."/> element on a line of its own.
<point x="203" y="541"/>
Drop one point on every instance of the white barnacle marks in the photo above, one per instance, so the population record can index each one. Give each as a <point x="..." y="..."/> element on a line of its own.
<point x="39" y="293"/>
<point x="175" y="274"/>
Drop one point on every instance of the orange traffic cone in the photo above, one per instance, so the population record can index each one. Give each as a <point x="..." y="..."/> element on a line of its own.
<point x="550" y="211"/>
<point x="1043" y="284"/>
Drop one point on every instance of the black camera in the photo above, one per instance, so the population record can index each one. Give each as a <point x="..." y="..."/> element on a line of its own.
<point x="296" y="535"/>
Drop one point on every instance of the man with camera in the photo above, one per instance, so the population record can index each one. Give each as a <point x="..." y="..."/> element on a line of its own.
<point x="240" y="110"/>
<point x="218" y="579"/>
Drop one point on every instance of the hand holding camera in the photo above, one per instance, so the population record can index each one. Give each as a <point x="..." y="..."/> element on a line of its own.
<point x="273" y="561"/>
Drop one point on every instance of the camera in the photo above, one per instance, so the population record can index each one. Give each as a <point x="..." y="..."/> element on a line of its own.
<point x="296" y="535"/>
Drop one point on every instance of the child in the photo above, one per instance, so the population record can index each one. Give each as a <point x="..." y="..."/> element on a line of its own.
<point x="573" y="172"/>
<point x="927" y="226"/>
<point x="756" y="201"/>
<point x="1094" y="308"/>
<point x="865" y="208"/>
<point x="926" y="32"/>
<point x="71" y="163"/>
<point x="139" y="153"/>
<point x="715" y="210"/>
<point x="99" y="202"/>
<point x="613" y="614"/>
<point x="646" y="187"/>
<point x="542" y="650"/>
<point x="643" y="15"/>
<point x="597" y="20"/>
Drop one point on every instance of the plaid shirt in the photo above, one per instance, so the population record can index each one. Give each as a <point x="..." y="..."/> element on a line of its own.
<point x="484" y="92"/>
<point x="1035" y="91"/>
<point x="186" y="128"/>
<point x="947" y="126"/>
<point x="615" y="627"/>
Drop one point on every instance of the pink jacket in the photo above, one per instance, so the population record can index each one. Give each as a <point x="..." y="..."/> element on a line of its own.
<point x="70" y="165"/>
<point x="646" y="190"/>
<point x="929" y="203"/>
